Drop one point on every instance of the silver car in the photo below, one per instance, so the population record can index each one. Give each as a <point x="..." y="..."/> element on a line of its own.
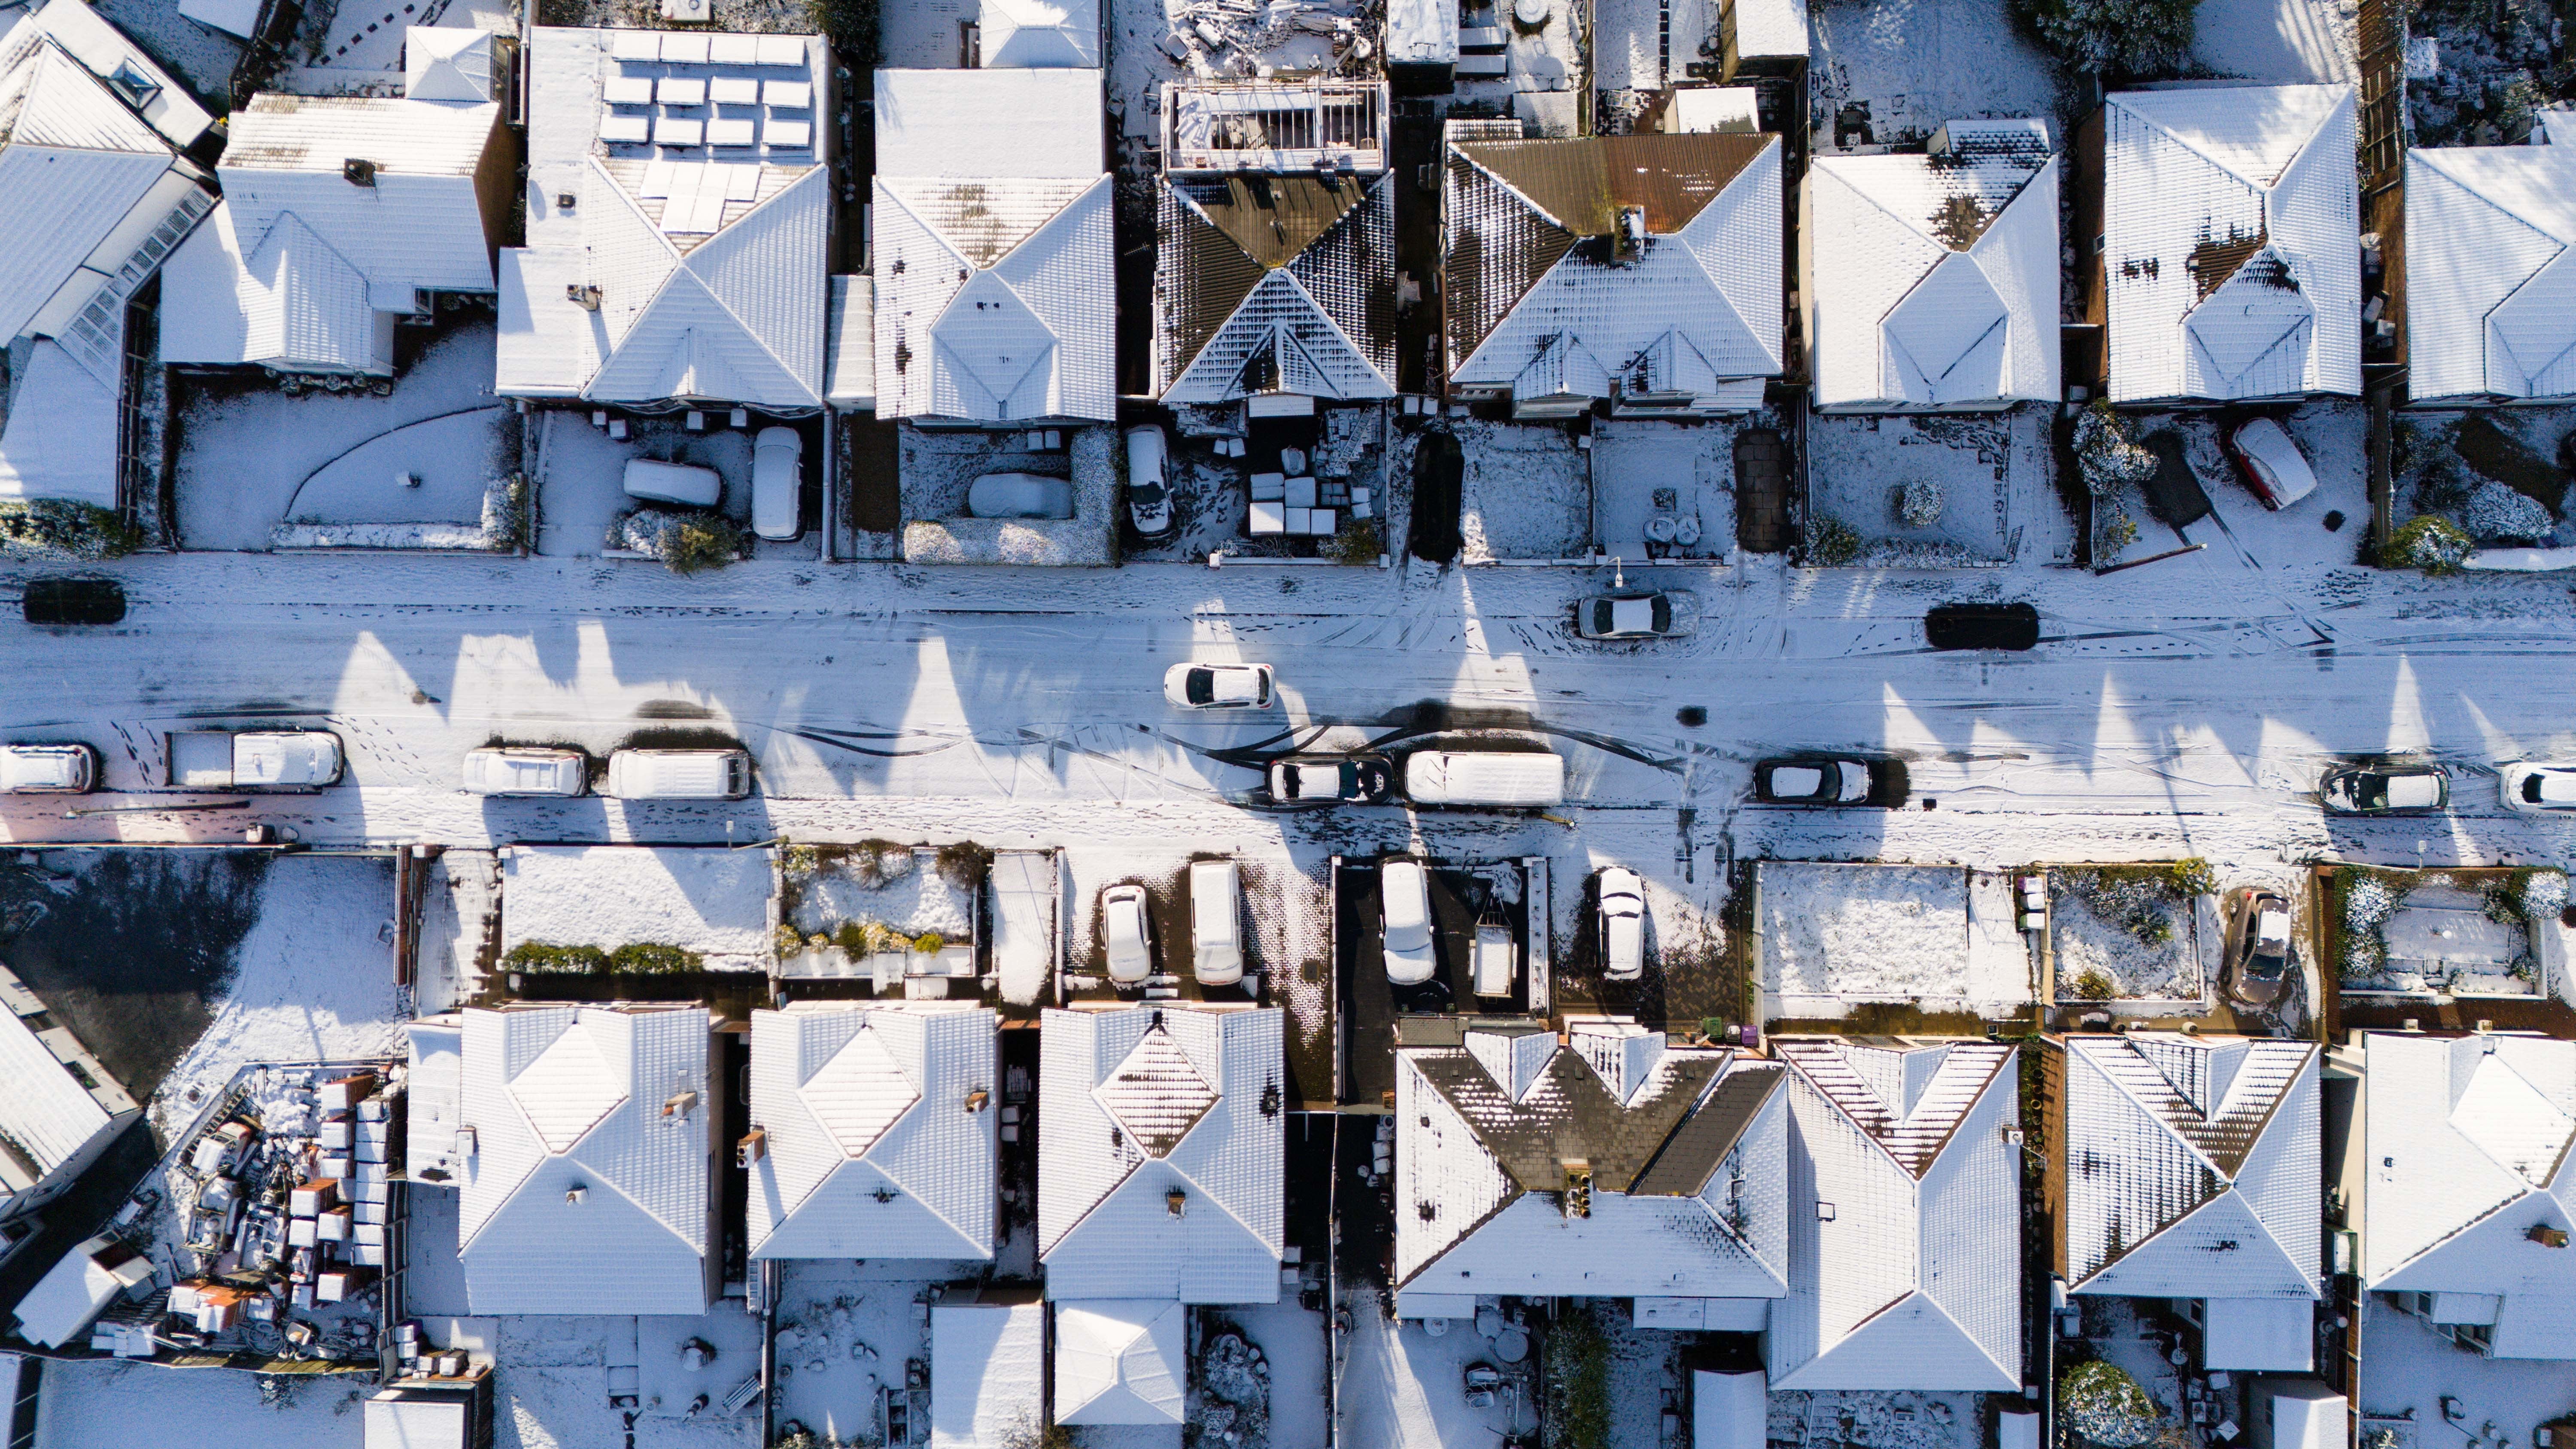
<point x="516" y="770"/>
<point x="47" y="769"/>
<point x="1127" y="933"/>
<point x="1404" y="921"/>
<point x="1623" y="924"/>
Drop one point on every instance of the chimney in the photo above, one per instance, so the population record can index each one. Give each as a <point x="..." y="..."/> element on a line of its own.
<point x="1628" y="234"/>
<point x="586" y="298"/>
<point x="358" y="171"/>
<point x="1578" y="1186"/>
<point x="753" y="1147"/>
<point x="1177" y="1200"/>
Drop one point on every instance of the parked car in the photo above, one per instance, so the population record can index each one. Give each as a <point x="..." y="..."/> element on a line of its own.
<point x="1330" y="779"/>
<point x="2258" y="948"/>
<point x="1404" y="921"/>
<point x="2269" y="461"/>
<point x="47" y="769"/>
<point x="1019" y="495"/>
<point x="1128" y="932"/>
<point x="682" y="483"/>
<point x="2537" y="789"/>
<point x="526" y="770"/>
<point x="1218" y="686"/>
<point x="679" y="774"/>
<point x="1216" y="922"/>
<point x="1149" y="493"/>
<point x="1830" y="780"/>
<point x="778" y="483"/>
<point x="1667" y="615"/>
<point x="1623" y="924"/>
<point x="1513" y="779"/>
<point x="254" y="759"/>
<point x="73" y="601"/>
<point x="2386" y="789"/>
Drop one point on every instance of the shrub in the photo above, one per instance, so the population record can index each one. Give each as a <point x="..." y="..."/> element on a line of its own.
<point x="1578" y="1370"/>
<point x="788" y="941"/>
<point x="864" y="938"/>
<point x="2106" y="1406"/>
<point x="2498" y="512"/>
<point x="1918" y="505"/>
<point x="66" y="529"/>
<point x="539" y="956"/>
<point x="2192" y="876"/>
<point x="1832" y="543"/>
<point x="653" y="958"/>
<point x="700" y="542"/>
<point x="2435" y="545"/>
<point x="2095" y="984"/>
<point x="930" y="943"/>
<point x="963" y="863"/>
<point x="2124" y="38"/>
<point x="505" y="514"/>
<point x="2107" y="452"/>
<point x="1356" y="543"/>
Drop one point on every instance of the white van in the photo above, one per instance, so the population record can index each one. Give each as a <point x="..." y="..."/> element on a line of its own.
<point x="1527" y="779"/>
<point x="679" y="774"/>
<point x="685" y="483"/>
<point x="1216" y="922"/>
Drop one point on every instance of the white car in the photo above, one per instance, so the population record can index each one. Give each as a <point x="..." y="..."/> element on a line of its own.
<point x="286" y="758"/>
<point x="777" y="483"/>
<point x="513" y="770"/>
<point x="1149" y="493"/>
<point x="47" y="769"/>
<point x="1623" y="924"/>
<point x="679" y="774"/>
<point x="1127" y="933"/>
<point x="1667" y="615"/>
<point x="1216" y="922"/>
<point x="2538" y="789"/>
<point x="1019" y="495"/>
<point x="1404" y="921"/>
<point x="1218" y="686"/>
<point x="2271" y="462"/>
<point x="686" y="484"/>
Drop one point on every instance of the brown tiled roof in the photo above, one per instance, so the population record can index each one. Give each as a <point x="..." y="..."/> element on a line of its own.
<point x="1583" y="184"/>
<point x="1704" y="1138"/>
<point x="1569" y="1114"/>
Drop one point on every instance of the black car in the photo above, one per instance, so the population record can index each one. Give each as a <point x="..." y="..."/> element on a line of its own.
<point x="1832" y="781"/>
<point x="1303" y="780"/>
<point x="2386" y="788"/>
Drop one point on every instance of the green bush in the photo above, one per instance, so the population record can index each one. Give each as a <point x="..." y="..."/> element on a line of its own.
<point x="930" y="943"/>
<point x="699" y="542"/>
<point x="539" y="956"/>
<point x="2125" y="39"/>
<point x="1832" y="543"/>
<point x="2192" y="876"/>
<point x="1356" y="543"/>
<point x="2095" y="985"/>
<point x="2103" y="1404"/>
<point x="2434" y="544"/>
<point x="653" y="958"/>
<point x="71" y="530"/>
<point x="1578" y="1370"/>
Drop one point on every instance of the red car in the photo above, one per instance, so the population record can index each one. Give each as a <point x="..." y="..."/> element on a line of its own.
<point x="2271" y="463"/>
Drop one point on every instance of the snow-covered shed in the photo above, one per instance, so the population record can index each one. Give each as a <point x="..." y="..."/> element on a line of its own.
<point x="875" y="1131"/>
<point x="2231" y="265"/>
<point x="1160" y="1170"/>
<point x="1613" y="1165"/>
<point x="340" y="214"/>
<point x="2191" y="1172"/>
<point x="679" y="220"/>
<point x="2490" y="272"/>
<point x="93" y="196"/>
<point x="77" y="1289"/>
<point x="2470" y="1199"/>
<point x="1904" y="1217"/>
<point x="996" y="293"/>
<point x="59" y="1109"/>
<point x="1930" y="281"/>
<point x="987" y="1367"/>
<point x="1039" y="34"/>
<point x="1120" y="1361"/>
<point x="708" y="899"/>
<point x="1641" y="269"/>
<point x="586" y="1184"/>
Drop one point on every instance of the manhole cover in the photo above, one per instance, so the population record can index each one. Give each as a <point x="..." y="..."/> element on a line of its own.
<point x="74" y="601"/>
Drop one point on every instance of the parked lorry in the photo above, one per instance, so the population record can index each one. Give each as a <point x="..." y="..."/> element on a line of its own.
<point x="254" y="759"/>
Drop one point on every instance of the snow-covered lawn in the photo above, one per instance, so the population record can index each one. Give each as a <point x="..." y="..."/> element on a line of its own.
<point x="2123" y="932"/>
<point x="1902" y="67"/>
<point x="844" y="1331"/>
<point x="1989" y="472"/>
<point x="1834" y="936"/>
<point x="886" y="896"/>
<point x="2406" y="1366"/>
<point x="1292" y="1340"/>
<point x="95" y="1402"/>
<point x="712" y="901"/>
<point x="1646" y="469"/>
<point x="2285" y="42"/>
<point x="1527" y="493"/>
<point x="2458" y="935"/>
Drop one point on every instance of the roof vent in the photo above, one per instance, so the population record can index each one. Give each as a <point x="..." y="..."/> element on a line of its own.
<point x="1628" y="234"/>
<point x="680" y="1104"/>
<point x="586" y="298"/>
<point x="2547" y="1236"/>
<point x="129" y="81"/>
<point x="575" y="1193"/>
<point x="358" y="171"/>
<point x="567" y="200"/>
<point x="1176" y="1200"/>
<point x="977" y="1099"/>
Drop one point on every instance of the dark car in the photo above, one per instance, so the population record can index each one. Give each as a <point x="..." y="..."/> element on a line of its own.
<point x="2258" y="948"/>
<point x="2386" y="789"/>
<point x="1303" y="780"/>
<point x="1845" y="781"/>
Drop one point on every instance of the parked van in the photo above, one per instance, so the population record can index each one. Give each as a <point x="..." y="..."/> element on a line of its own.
<point x="679" y="774"/>
<point x="1216" y="922"/>
<point x="686" y="483"/>
<point x="1527" y="779"/>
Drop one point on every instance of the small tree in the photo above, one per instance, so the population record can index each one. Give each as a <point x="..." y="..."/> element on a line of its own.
<point x="699" y="542"/>
<point x="2499" y="512"/>
<point x="2107" y="452"/>
<point x="1918" y="504"/>
<point x="2101" y="1402"/>
<point x="2116" y="38"/>
<point x="2430" y="542"/>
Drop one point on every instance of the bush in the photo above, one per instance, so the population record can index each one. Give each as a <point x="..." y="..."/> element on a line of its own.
<point x="2119" y="38"/>
<point x="2107" y="452"/>
<point x="2435" y="545"/>
<point x="66" y="529"/>
<point x="539" y="956"/>
<point x="930" y="943"/>
<point x="2192" y="876"/>
<point x="2106" y="1406"/>
<point x="1832" y="543"/>
<point x="2095" y="985"/>
<point x="1918" y="505"/>
<point x="861" y="939"/>
<point x="963" y="863"/>
<point x="1578" y="1371"/>
<point x="2498" y="512"/>
<point x="505" y="514"/>
<point x="686" y="543"/>
<point x="1356" y="543"/>
<point x="653" y="958"/>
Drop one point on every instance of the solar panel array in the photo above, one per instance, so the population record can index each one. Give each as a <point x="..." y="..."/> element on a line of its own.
<point x="690" y="92"/>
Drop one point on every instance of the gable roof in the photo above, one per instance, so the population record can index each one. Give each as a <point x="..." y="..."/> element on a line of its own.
<point x="448" y="63"/>
<point x="74" y="162"/>
<point x="1143" y="1103"/>
<point x="2229" y="214"/>
<point x="1295" y="268"/>
<point x="565" y="1098"/>
<point x="2490" y="279"/>
<point x="47" y="1118"/>
<point x="994" y="298"/>
<point x="1530" y="258"/>
<point x="2191" y="1167"/>
<point x="1904" y="1213"/>
<point x="2468" y="1142"/>
<point x="872" y="1151"/>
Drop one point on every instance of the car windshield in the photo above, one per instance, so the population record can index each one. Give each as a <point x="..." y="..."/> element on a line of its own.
<point x="1605" y="618"/>
<point x="1200" y="686"/>
<point x="1662" y="609"/>
<point x="1346" y="780"/>
<point x="1146" y="495"/>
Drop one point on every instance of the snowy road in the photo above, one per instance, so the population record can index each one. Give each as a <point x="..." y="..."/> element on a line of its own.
<point x="2196" y="700"/>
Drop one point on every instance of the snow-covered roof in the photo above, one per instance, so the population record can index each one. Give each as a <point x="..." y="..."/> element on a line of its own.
<point x="970" y="124"/>
<point x="2468" y="1143"/>
<point x="2191" y="1167"/>
<point x="2490" y="263"/>
<point x="1904" y="1218"/>
<point x="1018" y="34"/>
<point x="1686" y="1147"/>
<point x="1545" y="298"/>
<point x="1119" y="1361"/>
<point x="588" y="1187"/>
<point x="2230" y="223"/>
<point x="1770" y="28"/>
<point x="707" y="899"/>
<point x="293" y="301"/>
<point x="451" y="63"/>
<point x="1141" y="1105"/>
<point x="1275" y="283"/>
<point x="850" y="352"/>
<point x="677" y="238"/>
<point x="48" y="1119"/>
<point x="987" y="1370"/>
<point x="60" y="441"/>
<point x="1931" y="280"/>
<point x="875" y="1147"/>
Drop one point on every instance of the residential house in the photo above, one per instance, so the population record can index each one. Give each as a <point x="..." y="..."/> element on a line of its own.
<point x="1929" y="281"/>
<point x="2489" y="273"/>
<point x="59" y="1109"/>
<point x="1643" y="271"/>
<point x="2469" y="1186"/>
<point x="94" y="193"/>
<point x="679" y="222"/>
<point x="2231" y="262"/>
<point x="872" y="1131"/>
<point x="586" y="1144"/>
<point x="1904" y="1217"/>
<point x="996" y="297"/>
<point x="344" y="214"/>
<point x="1612" y="1165"/>
<point x="1001" y="34"/>
<point x="2188" y="1170"/>
<point x="1274" y="270"/>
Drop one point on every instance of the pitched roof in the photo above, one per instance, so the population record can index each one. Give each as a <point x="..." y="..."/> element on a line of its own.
<point x="2490" y="278"/>
<point x="987" y="1370"/>
<point x="994" y="298"/>
<point x="1531" y="258"/>
<point x="1040" y="33"/>
<point x="1119" y="1361"/>
<point x="1143" y="1103"/>
<point x="46" y="1116"/>
<point x="2191" y="1167"/>
<point x="1292" y="268"/>
<point x="1905" y="1258"/>
<point x="74" y="163"/>
<point x="2229" y="214"/>
<point x="447" y="63"/>
<point x="872" y="1151"/>
<point x="583" y="1195"/>
<point x="2468" y="1140"/>
<point x="969" y="123"/>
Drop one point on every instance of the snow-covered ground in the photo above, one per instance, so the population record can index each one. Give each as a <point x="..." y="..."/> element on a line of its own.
<point x="2286" y="42"/>
<point x="1881" y="73"/>
<point x="714" y="902"/>
<point x="844" y="1331"/>
<point x="1408" y="1385"/>
<point x="1837" y="936"/>
<point x="95" y="1402"/>
<point x="1528" y="491"/>
<point x="1991" y="471"/>
<point x="2409" y="1371"/>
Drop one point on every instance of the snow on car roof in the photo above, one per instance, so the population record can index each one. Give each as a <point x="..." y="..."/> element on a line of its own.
<point x="2415" y="790"/>
<point x="2557" y="787"/>
<point x="1632" y="616"/>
